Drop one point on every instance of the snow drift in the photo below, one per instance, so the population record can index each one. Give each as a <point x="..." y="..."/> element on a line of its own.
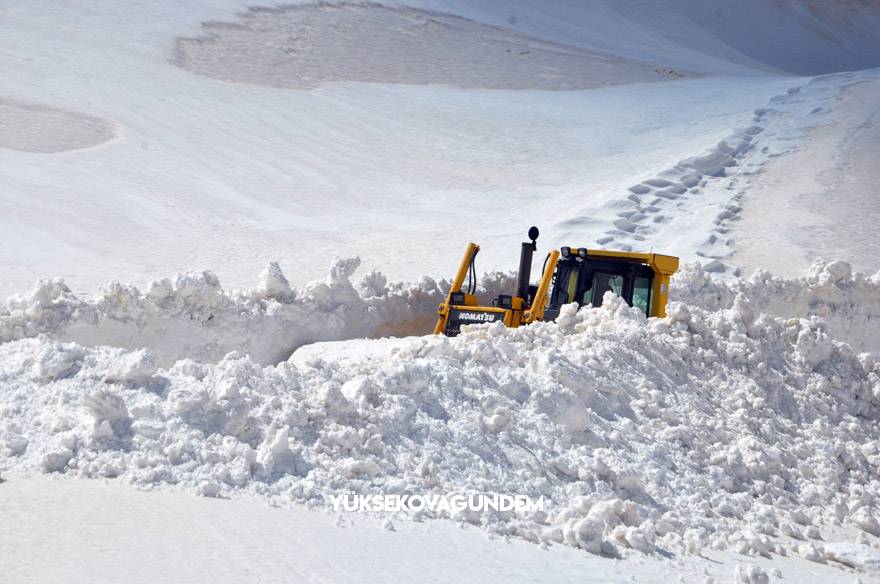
<point x="846" y="302"/>
<point x="718" y="426"/>
<point x="192" y="316"/>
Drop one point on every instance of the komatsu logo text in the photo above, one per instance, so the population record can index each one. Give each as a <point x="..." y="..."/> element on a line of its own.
<point x="477" y="316"/>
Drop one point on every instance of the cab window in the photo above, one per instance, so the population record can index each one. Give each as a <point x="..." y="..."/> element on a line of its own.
<point x="587" y="296"/>
<point x="642" y="294"/>
<point x="603" y="282"/>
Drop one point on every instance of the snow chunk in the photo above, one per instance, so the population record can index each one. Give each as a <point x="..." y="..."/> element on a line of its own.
<point x="135" y="367"/>
<point x="750" y="574"/>
<point x="273" y="284"/>
<point x="854" y="555"/>
<point x="55" y="361"/>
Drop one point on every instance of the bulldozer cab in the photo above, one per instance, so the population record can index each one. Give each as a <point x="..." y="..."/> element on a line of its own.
<point x="585" y="276"/>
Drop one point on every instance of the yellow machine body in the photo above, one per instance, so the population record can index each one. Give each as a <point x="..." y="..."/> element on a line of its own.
<point x="578" y="275"/>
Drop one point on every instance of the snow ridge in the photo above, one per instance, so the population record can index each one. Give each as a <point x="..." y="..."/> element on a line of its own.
<point x="191" y="316"/>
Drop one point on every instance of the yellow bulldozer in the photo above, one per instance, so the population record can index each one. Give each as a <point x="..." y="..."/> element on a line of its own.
<point x="570" y="274"/>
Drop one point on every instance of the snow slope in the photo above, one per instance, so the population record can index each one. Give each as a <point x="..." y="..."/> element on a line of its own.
<point x="798" y="37"/>
<point x="307" y="46"/>
<point x="206" y="174"/>
<point x="823" y="195"/>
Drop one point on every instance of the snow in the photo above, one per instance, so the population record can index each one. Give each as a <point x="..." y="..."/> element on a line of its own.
<point x="207" y="174"/>
<point x="854" y="555"/>
<point x="845" y="302"/>
<point x="32" y="127"/>
<point x="794" y="36"/>
<point x="192" y="316"/>
<point x="734" y="440"/>
<point x="125" y="535"/>
<point x="720" y="428"/>
<point x="306" y="46"/>
<point x="818" y="200"/>
<point x="696" y="204"/>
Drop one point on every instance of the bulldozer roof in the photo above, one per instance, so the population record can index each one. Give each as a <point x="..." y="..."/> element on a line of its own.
<point x="663" y="264"/>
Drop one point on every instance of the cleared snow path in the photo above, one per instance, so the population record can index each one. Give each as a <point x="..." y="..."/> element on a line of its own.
<point x="692" y="207"/>
<point x="823" y="199"/>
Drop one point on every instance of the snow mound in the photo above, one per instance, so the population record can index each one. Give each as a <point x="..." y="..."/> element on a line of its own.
<point x="190" y="316"/>
<point x="843" y="303"/>
<point x="723" y="428"/>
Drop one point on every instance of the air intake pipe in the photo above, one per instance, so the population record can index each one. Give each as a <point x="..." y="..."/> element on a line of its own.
<point x="525" y="265"/>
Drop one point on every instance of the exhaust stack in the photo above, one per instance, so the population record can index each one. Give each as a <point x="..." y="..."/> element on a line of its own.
<point x="525" y="265"/>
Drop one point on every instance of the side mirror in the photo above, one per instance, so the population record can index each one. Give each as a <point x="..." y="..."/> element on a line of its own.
<point x="533" y="233"/>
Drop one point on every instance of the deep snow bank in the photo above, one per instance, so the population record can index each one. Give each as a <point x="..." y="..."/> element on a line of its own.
<point x="725" y="427"/>
<point x="192" y="316"/>
<point x="847" y="302"/>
